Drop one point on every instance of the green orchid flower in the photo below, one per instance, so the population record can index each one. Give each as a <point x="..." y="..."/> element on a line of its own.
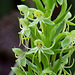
<point x="40" y="18"/>
<point x="40" y="49"/>
<point x="25" y="31"/>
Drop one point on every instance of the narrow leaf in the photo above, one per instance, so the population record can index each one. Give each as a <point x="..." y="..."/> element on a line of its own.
<point x="39" y="5"/>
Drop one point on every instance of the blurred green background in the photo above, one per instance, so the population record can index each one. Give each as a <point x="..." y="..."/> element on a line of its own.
<point x="9" y="28"/>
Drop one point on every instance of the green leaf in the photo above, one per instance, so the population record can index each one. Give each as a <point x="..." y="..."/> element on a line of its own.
<point x="34" y="32"/>
<point x="48" y="52"/>
<point x="70" y="23"/>
<point x="60" y="2"/>
<point x="33" y="66"/>
<point x="59" y="38"/>
<point x="44" y="60"/>
<point x="57" y="65"/>
<point x="18" y="71"/>
<point x="17" y="51"/>
<point x="36" y="61"/>
<point x="63" y="8"/>
<point x="65" y="42"/>
<point x="62" y="17"/>
<point x="47" y="30"/>
<point x="47" y="70"/>
<point x="59" y="28"/>
<point x="39" y="5"/>
<point x="65" y="50"/>
<point x="49" y="5"/>
<point x="30" y="70"/>
<point x="52" y="34"/>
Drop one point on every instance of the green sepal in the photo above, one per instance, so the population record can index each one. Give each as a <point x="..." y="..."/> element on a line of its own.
<point x="60" y="2"/>
<point x="17" y="71"/>
<point x="17" y="51"/>
<point x="23" y="8"/>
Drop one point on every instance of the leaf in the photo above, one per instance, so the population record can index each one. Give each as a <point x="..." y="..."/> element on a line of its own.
<point x="47" y="70"/>
<point x="52" y="34"/>
<point x="39" y="5"/>
<point x="17" y="51"/>
<point x="59" y="28"/>
<point x="60" y="2"/>
<point x="33" y="67"/>
<point x="59" y="38"/>
<point x="18" y="71"/>
<point x="49" y="5"/>
<point x="65" y="42"/>
<point x="57" y="65"/>
<point x="47" y="30"/>
<point x="61" y="18"/>
<point x="36" y="61"/>
<point x="36" y="34"/>
<point x="30" y="70"/>
<point x="48" y="52"/>
<point x="63" y="8"/>
<point x="65" y="50"/>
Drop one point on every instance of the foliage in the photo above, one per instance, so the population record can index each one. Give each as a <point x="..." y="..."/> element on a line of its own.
<point x="48" y="39"/>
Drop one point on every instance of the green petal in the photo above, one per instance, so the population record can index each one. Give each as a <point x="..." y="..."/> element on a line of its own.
<point x="48" y="52"/>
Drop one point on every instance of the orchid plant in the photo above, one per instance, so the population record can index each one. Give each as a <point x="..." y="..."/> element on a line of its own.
<point x="48" y="39"/>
